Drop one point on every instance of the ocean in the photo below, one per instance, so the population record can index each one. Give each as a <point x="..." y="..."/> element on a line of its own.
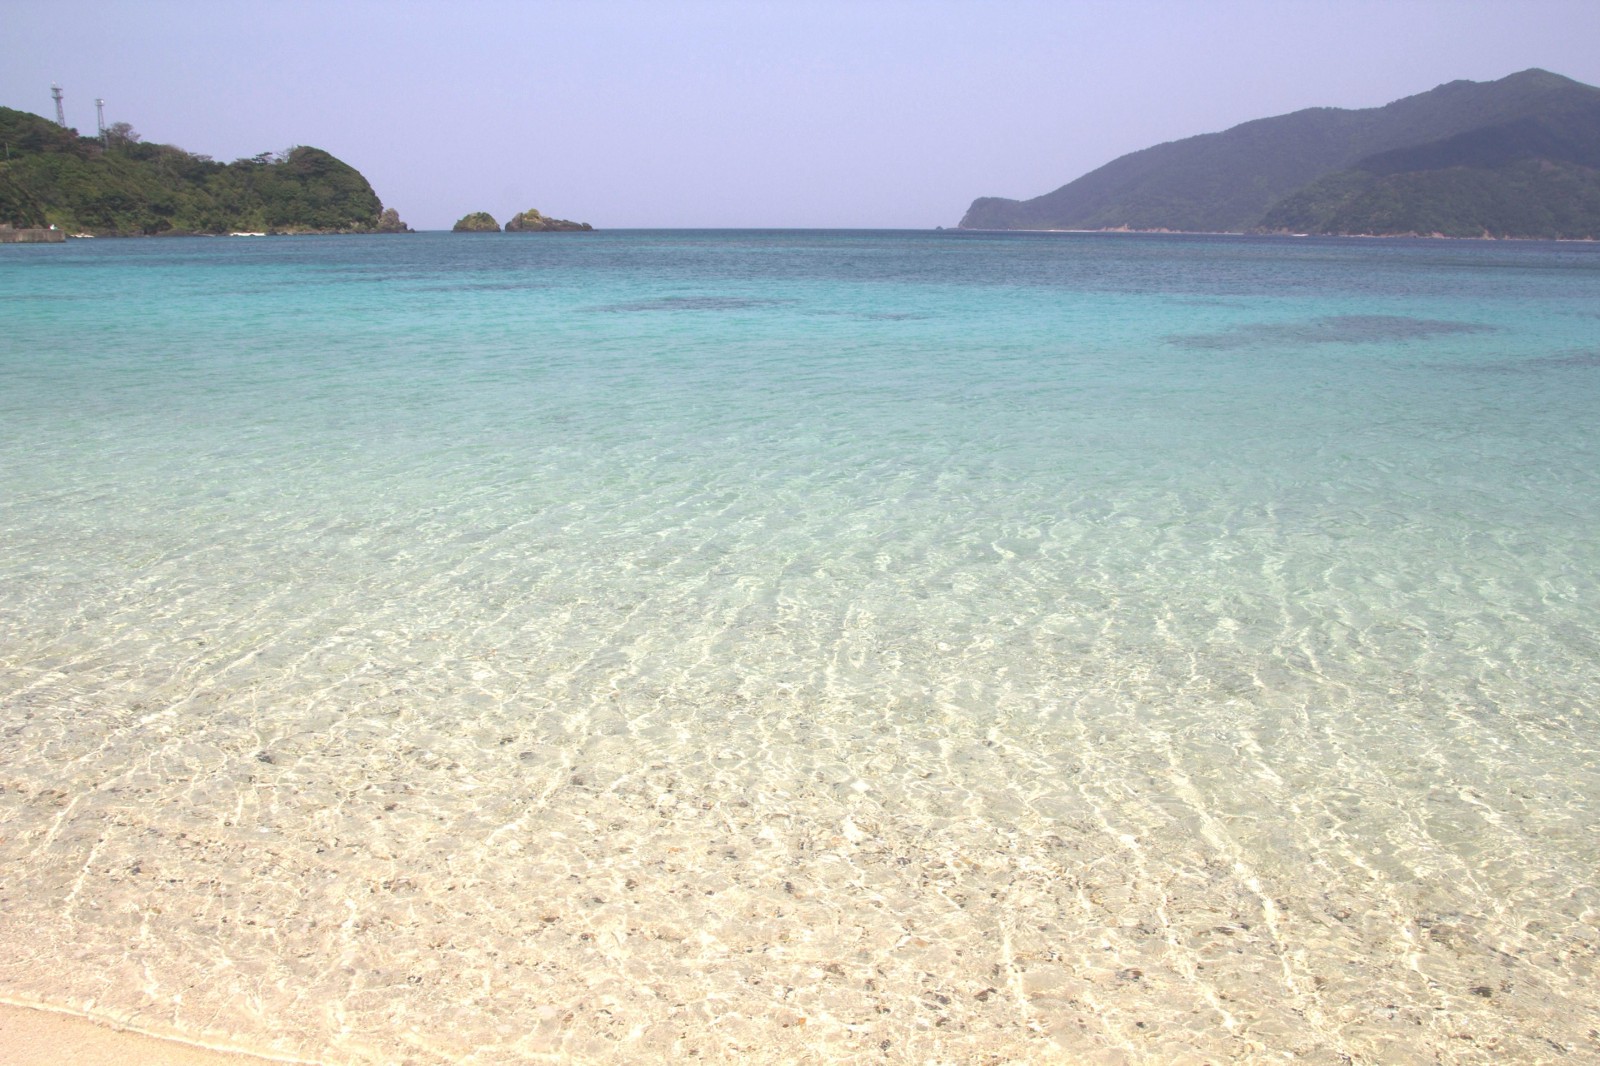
<point x="805" y="646"/>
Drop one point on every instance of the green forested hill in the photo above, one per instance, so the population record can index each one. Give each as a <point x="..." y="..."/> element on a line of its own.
<point x="1536" y="176"/>
<point x="52" y="176"/>
<point x="1516" y="157"/>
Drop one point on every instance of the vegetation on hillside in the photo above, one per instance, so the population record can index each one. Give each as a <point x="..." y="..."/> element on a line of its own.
<point x="1528" y="198"/>
<point x="125" y="187"/>
<point x="1518" y="157"/>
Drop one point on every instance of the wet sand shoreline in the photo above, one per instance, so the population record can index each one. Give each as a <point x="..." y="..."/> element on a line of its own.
<point x="38" y="1035"/>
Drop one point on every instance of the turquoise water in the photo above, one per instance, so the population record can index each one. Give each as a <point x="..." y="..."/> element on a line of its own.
<point x="805" y="646"/>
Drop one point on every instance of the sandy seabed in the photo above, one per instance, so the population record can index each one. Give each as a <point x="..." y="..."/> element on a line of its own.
<point x="35" y="1036"/>
<point x="795" y="888"/>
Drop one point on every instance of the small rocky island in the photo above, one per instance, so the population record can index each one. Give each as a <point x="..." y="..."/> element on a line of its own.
<point x="531" y="221"/>
<point x="476" y="222"/>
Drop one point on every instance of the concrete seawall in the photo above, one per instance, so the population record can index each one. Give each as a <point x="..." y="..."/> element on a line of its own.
<point x="32" y="235"/>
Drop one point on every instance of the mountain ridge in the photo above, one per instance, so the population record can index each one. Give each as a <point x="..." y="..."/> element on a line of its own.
<point x="1236" y="179"/>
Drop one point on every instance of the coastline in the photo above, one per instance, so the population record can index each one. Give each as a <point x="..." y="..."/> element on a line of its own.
<point x="1115" y="230"/>
<point x="36" y="1034"/>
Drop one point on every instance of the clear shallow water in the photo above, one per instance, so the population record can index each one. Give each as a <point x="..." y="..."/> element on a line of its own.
<point x="805" y="646"/>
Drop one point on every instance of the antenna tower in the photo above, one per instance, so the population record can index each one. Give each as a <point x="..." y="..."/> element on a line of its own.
<point x="61" y="114"/>
<point x="100" y="117"/>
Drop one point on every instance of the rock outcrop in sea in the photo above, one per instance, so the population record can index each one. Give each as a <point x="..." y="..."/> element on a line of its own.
<point x="389" y="222"/>
<point x="531" y="221"/>
<point x="476" y="222"/>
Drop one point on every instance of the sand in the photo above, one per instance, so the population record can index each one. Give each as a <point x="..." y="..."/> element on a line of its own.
<point x="39" y="1037"/>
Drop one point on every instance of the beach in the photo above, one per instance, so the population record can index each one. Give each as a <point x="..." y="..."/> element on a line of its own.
<point x="794" y="647"/>
<point x="31" y="1036"/>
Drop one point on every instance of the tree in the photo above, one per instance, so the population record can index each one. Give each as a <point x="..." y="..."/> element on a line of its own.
<point x="121" y="133"/>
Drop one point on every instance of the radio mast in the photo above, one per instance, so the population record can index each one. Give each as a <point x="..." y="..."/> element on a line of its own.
<point x="100" y="117"/>
<point x="61" y="114"/>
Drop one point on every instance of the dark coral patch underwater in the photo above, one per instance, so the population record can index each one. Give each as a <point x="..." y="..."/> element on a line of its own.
<point x="1329" y="329"/>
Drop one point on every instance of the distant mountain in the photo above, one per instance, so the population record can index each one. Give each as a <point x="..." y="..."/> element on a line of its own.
<point x="124" y="187"/>
<point x="1518" y="157"/>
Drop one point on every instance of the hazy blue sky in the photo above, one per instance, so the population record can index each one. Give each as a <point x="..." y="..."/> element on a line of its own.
<point x="721" y="113"/>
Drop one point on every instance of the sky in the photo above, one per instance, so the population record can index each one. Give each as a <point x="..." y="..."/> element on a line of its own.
<point x="762" y="113"/>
